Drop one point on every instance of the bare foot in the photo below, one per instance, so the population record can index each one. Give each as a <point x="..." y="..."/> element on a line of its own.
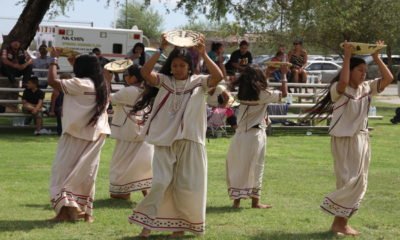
<point x="73" y="213"/>
<point x="177" y="234"/>
<point x="263" y="206"/>
<point x="124" y="196"/>
<point x="340" y="227"/>
<point x="62" y="216"/>
<point x="145" y="233"/>
<point x="144" y="192"/>
<point x="81" y="215"/>
<point x="345" y="230"/>
<point x="88" y="218"/>
<point x="255" y="203"/>
<point x="236" y="203"/>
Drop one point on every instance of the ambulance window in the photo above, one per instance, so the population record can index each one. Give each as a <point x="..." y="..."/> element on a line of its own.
<point x="117" y="48"/>
<point x="103" y="34"/>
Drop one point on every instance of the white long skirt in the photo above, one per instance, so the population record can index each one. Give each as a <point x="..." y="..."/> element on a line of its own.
<point x="130" y="168"/>
<point x="74" y="173"/>
<point x="351" y="162"/>
<point x="177" y="199"/>
<point x="245" y="164"/>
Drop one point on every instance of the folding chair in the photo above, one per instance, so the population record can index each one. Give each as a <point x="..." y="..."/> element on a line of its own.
<point x="216" y="121"/>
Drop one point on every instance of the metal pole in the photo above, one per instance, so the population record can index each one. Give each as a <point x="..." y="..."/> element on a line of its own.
<point x="126" y="14"/>
<point x="281" y="18"/>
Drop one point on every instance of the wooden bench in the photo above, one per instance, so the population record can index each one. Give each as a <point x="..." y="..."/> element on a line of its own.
<point x="311" y="127"/>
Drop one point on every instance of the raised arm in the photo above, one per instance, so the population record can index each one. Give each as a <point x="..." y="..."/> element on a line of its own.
<point x="147" y="69"/>
<point x="284" y="71"/>
<point x="344" y="78"/>
<point x="387" y="76"/>
<point x="108" y="77"/>
<point x="215" y="72"/>
<point x="52" y="74"/>
<point x="54" y="96"/>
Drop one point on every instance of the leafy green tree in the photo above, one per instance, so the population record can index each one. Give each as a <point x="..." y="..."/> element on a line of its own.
<point x="146" y="19"/>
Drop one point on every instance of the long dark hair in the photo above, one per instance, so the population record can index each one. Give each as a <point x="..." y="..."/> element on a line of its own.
<point x="251" y="81"/>
<point x="88" y="66"/>
<point x="148" y="95"/>
<point x="142" y="58"/>
<point x="324" y="104"/>
<point x="215" y="46"/>
<point x="181" y="53"/>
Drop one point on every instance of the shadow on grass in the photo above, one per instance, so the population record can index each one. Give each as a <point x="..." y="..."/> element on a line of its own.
<point x="24" y="225"/>
<point x="388" y="123"/>
<point x="222" y="209"/>
<point x="42" y="206"/>
<point x="296" y="236"/>
<point x="159" y="236"/>
<point x="114" y="203"/>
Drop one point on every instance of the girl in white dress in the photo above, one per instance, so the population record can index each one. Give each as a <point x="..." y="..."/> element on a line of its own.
<point x="130" y="168"/>
<point x="85" y="127"/>
<point x="246" y="154"/>
<point x="348" y="99"/>
<point x="176" y="128"/>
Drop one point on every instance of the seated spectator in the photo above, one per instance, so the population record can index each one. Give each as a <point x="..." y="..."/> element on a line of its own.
<point x="275" y="72"/>
<point x="102" y="60"/>
<point x="15" y="63"/>
<point x="220" y="97"/>
<point x="42" y="62"/>
<point x="239" y="60"/>
<point x="298" y="58"/>
<point x="217" y="55"/>
<point x="32" y="100"/>
<point x="137" y="54"/>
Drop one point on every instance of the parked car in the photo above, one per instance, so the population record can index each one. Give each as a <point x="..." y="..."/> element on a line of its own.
<point x="161" y="60"/>
<point x="261" y="61"/>
<point x="319" y="58"/>
<point x="373" y="71"/>
<point x="327" y="70"/>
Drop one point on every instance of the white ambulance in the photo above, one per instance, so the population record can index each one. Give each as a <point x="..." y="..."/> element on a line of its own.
<point x="113" y="43"/>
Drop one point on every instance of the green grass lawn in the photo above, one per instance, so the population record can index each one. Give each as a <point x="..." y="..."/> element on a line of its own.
<point x="298" y="173"/>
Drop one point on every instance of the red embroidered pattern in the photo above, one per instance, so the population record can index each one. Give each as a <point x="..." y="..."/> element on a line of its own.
<point x="237" y="193"/>
<point x="66" y="198"/>
<point x="166" y="224"/>
<point x="131" y="187"/>
<point x="335" y="209"/>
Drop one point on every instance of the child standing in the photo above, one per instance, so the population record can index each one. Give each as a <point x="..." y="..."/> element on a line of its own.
<point x="130" y="168"/>
<point x="246" y="154"/>
<point x="85" y="127"/>
<point x="32" y="102"/>
<point x="348" y="99"/>
<point x="176" y="128"/>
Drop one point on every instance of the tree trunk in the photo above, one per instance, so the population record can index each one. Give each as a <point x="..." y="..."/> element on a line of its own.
<point x="28" y="22"/>
<point x="24" y="30"/>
